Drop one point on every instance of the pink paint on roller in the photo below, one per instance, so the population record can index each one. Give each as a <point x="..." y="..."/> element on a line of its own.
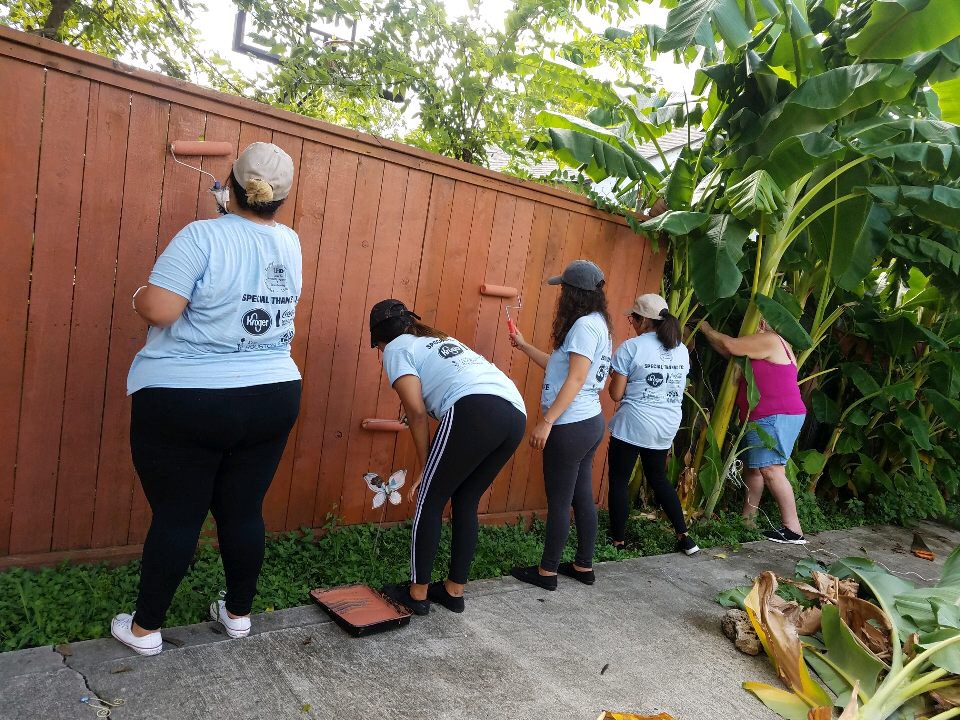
<point x="498" y="291"/>
<point x="378" y="425"/>
<point x="200" y="147"/>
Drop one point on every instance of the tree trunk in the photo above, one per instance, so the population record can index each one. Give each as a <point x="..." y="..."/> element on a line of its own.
<point x="51" y="26"/>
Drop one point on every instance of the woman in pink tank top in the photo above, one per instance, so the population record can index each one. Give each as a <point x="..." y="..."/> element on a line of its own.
<point x="779" y="413"/>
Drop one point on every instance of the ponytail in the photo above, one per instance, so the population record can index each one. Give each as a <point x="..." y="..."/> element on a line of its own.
<point x="668" y="330"/>
<point x="406" y="324"/>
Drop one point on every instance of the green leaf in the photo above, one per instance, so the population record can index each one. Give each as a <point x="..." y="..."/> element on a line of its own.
<point x="796" y="156"/>
<point x="859" y="258"/>
<point x="917" y="427"/>
<point x="898" y="28"/>
<point x="680" y="183"/>
<point x="753" y="392"/>
<point x="837" y="233"/>
<point x="676" y="222"/>
<point x="948" y="92"/>
<point x="734" y="597"/>
<point x="950" y="575"/>
<point x="714" y="258"/>
<point x="949" y="657"/>
<point x="825" y="408"/>
<point x="947" y="409"/>
<point x="757" y="194"/>
<point x="861" y="378"/>
<point x="921" y="250"/>
<point x="854" y="661"/>
<point x="884" y="587"/>
<point x="783" y="322"/>
<point x="690" y="22"/>
<point x="829" y="96"/>
<point x="939" y="204"/>
<point x="926" y="158"/>
<point x="783" y="702"/>
<point x="811" y="461"/>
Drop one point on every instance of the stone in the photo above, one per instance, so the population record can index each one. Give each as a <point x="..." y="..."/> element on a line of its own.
<point x="736" y="626"/>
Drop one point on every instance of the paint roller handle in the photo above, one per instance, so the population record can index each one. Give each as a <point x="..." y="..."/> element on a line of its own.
<point x="512" y="328"/>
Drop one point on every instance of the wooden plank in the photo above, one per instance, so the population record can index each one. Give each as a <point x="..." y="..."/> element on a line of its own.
<point x="139" y="221"/>
<point x="51" y="300"/>
<point x="321" y="330"/>
<point x="252" y="131"/>
<point x="495" y="499"/>
<point x="491" y="310"/>
<point x="388" y="449"/>
<point x="350" y="323"/>
<point x="478" y="247"/>
<point x="527" y="376"/>
<point x="313" y="171"/>
<point x="455" y="259"/>
<point x="21" y="85"/>
<point x="103" y="188"/>
<point x="31" y="48"/>
<point x="218" y="128"/>
<point x="276" y="502"/>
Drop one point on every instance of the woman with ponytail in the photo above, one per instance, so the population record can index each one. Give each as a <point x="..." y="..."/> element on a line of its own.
<point x="572" y="424"/>
<point x="648" y="376"/>
<point x="482" y="421"/>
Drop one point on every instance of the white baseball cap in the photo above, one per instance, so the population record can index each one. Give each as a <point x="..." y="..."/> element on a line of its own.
<point x="266" y="163"/>
<point x="649" y="306"/>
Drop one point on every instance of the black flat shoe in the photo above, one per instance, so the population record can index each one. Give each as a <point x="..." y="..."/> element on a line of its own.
<point x="401" y="594"/>
<point x="532" y="576"/>
<point x="587" y="577"/>
<point x="437" y="592"/>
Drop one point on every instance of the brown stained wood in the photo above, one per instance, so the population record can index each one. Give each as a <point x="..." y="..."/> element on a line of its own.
<point x="22" y="87"/>
<point x="218" y="129"/>
<point x="521" y="366"/>
<point x="103" y="188"/>
<point x="478" y="246"/>
<point x="251" y="132"/>
<point x="139" y="219"/>
<point x="48" y="320"/>
<point x="455" y="258"/>
<point x="69" y="60"/>
<point x="491" y="308"/>
<point x="367" y="401"/>
<point x="504" y="354"/>
<point x="350" y="323"/>
<point x="318" y="362"/>
<point x="181" y="185"/>
<point x="313" y="175"/>
<point x="276" y="503"/>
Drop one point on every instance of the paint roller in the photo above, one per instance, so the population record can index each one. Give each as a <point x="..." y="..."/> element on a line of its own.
<point x="504" y="291"/>
<point x="380" y="425"/>
<point x="203" y="148"/>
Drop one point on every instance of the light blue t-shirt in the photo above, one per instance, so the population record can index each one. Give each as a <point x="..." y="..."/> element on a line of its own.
<point x="448" y="370"/>
<point x="650" y="411"/>
<point x="242" y="281"/>
<point x="589" y="336"/>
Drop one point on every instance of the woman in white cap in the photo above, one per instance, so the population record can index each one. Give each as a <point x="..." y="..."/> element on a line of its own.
<point x="215" y="392"/>
<point x="571" y="425"/>
<point x="647" y="378"/>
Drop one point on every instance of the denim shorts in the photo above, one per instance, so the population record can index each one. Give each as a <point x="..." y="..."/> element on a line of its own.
<point x="782" y="429"/>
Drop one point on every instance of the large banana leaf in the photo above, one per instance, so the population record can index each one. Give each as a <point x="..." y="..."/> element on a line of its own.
<point x="756" y="196"/>
<point x="898" y="28"/>
<point x="872" y="241"/>
<point x="884" y="587"/>
<point x="783" y="321"/>
<point x="948" y="93"/>
<point x="922" y="251"/>
<point x="690" y="22"/>
<point x="798" y="155"/>
<point x="714" y="258"/>
<point x="930" y="159"/>
<point x="831" y="95"/>
<point x="676" y="222"/>
<point x="847" y="654"/>
<point x="782" y="702"/>
<point x="937" y="203"/>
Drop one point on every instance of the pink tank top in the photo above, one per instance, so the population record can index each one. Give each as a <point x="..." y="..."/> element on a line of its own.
<point x="779" y="392"/>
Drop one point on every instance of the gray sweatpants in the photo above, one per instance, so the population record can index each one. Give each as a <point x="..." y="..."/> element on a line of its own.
<point x="568" y="477"/>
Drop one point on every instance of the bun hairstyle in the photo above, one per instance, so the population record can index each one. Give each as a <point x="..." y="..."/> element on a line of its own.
<point x="256" y="196"/>
<point x="667" y="328"/>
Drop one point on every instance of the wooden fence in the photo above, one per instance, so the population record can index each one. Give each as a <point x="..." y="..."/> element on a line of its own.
<point x="91" y="195"/>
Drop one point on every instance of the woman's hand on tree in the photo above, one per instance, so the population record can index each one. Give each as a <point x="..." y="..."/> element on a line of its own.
<point x="538" y="438"/>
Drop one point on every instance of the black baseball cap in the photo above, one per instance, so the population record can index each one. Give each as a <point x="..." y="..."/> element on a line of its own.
<point x="386" y="310"/>
<point x="581" y="274"/>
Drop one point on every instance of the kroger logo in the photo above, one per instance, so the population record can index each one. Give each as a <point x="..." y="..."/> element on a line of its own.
<point x="256" y="321"/>
<point x="449" y="350"/>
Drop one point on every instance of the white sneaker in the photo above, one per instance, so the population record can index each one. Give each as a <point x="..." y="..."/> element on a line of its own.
<point x="235" y="627"/>
<point x="120" y="628"/>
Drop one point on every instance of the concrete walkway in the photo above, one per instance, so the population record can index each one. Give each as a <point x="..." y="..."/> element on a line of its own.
<point x="518" y="653"/>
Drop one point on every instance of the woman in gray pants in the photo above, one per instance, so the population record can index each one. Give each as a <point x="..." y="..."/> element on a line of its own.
<point x="572" y="424"/>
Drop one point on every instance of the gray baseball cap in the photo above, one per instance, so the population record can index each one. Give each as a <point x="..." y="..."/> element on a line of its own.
<point x="581" y="274"/>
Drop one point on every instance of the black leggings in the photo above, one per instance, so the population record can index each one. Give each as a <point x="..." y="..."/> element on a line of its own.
<point x="200" y="450"/>
<point x="568" y="480"/>
<point x="621" y="459"/>
<point x="475" y="439"/>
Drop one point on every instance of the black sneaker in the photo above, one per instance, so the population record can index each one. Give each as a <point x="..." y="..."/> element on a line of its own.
<point x="532" y="575"/>
<point x="437" y="592"/>
<point x="619" y="547"/>
<point x="587" y="577"/>
<point x="401" y="594"/>
<point x="687" y="546"/>
<point x="786" y="536"/>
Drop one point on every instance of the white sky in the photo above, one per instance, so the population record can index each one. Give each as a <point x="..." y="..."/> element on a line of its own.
<point x="216" y="28"/>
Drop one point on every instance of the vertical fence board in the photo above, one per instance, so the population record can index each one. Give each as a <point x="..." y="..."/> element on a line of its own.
<point x="22" y="85"/>
<point x="51" y="300"/>
<point x="103" y="188"/>
<point x="223" y="129"/>
<point x="139" y="219"/>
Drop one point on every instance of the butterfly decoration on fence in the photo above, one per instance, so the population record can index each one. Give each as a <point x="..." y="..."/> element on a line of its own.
<point x="384" y="490"/>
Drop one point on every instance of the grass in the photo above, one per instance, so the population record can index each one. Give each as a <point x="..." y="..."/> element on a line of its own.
<point x="75" y="602"/>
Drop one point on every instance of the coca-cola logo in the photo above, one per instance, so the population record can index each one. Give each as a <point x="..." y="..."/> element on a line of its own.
<point x="256" y="321"/>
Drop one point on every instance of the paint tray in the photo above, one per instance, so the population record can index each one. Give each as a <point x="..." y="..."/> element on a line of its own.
<point x="361" y="610"/>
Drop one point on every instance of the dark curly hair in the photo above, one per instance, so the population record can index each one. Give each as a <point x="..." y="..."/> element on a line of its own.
<point x="392" y="328"/>
<point x="572" y="305"/>
<point x="238" y="194"/>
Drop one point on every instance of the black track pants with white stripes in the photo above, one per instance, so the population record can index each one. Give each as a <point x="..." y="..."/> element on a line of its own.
<point x="475" y="439"/>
